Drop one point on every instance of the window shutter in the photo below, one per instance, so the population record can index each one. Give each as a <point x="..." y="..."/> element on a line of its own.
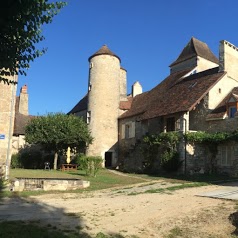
<point x="123" y="131"/>
<point x="132" y="131"/>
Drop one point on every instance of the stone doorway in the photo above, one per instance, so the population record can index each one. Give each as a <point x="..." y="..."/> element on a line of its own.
<point x="108" y="159"/>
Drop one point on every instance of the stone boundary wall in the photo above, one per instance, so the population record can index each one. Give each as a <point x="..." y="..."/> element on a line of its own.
<point x="47" y="184"/>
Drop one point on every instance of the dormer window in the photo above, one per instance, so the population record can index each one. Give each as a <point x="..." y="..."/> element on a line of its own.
<point x="231" y="106"/>
<point x="232" y="111"/>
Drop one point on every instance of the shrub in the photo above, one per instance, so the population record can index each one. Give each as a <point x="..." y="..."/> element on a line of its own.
<point x="90" y="164"/>
<point x="31" y="159"/>
<point x="16" y="161"/>
<point x="170" y="161"/>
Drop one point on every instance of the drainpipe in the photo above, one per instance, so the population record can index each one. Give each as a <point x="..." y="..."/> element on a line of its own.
<point x="10" y="131"/>
<point x="185" y="145"/>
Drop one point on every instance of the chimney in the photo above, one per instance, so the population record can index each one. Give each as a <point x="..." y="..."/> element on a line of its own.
<point x="23" y="101"/>
<point x="136" y="89"/>
<point x="228" y="59"/>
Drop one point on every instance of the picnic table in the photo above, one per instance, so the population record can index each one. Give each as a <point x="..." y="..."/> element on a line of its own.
<point x="69" y="167"/>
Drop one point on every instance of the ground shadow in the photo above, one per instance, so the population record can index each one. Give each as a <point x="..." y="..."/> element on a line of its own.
<point x="233" y="218"/>
<point x="18" y="210"/>
<point x="223" y="180"/>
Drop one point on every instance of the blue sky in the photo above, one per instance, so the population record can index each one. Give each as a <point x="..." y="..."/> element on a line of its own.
<point x="147" y="35"/>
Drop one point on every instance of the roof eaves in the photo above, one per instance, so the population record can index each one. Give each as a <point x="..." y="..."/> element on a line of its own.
<point x="208" y="89"/>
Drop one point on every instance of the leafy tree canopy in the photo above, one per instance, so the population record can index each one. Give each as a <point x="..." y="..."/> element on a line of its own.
<point x="20" y="24"/>
<point x="55" y="132"/>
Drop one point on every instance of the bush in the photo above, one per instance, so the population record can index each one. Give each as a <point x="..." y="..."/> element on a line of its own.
<point x="16" y="161"/>
<point x="30" y="159"/>
<point x="170" y="161"/>
<point x="90" y="164"/>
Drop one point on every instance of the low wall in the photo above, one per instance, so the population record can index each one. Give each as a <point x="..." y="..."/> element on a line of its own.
<point x="47" y="184"/>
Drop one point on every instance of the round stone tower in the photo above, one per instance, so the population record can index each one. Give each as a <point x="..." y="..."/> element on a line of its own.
<point x="103" y="104"/>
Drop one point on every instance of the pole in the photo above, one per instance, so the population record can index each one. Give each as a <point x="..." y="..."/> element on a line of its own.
<point x="10" y="132"/>
<point x="185" y="145"/>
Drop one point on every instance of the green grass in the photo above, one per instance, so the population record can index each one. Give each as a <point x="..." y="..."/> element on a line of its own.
<point x="104" y="179"/>
<point x="19" y="229"/>
<point x="175" y="232"/>
<point x="173" y="178"/>
<point x="172" y="188"/>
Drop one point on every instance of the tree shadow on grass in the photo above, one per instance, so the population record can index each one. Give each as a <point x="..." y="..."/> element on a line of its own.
<point x="23" y="218"/>
<point x="17" y="210"/>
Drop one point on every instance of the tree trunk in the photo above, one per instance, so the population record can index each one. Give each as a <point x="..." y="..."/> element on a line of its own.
<point x="55" y="160"/>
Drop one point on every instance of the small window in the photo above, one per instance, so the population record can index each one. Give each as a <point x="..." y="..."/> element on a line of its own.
<point x="219" y="90"/>
<point x="89" y="87"/>
<point x="88" y="117"/>
<point x="170" y="124"/>
<point x="128" y="130"/>
<point x="232" y="111"/>
<point x="226" y="154"/>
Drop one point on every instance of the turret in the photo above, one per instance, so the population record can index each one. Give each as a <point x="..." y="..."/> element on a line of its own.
<point x="103" y="103"/>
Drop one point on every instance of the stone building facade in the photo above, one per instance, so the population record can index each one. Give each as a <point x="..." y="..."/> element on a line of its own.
<point x="7" y="114"/>
<point x="199" y="94"/>
<point x="14" y="116"/>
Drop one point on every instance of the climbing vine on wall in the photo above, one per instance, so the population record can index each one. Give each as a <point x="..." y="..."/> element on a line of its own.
<point x="211" y="141"/>
<point x="166" y="143"/>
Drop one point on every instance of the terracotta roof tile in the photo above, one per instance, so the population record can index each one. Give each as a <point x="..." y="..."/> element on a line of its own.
<point x="20" y="123"/>
<point x="126" y="105"/>
<point x="174" y="94"/>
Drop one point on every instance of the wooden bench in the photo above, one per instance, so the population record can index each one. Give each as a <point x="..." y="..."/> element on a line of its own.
<point x="69" y="167"/>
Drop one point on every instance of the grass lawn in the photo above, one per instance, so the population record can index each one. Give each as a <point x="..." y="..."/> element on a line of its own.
<point x="20" y="229"/>
<point x="104" y="179"/>
<point x="108" y="179"/>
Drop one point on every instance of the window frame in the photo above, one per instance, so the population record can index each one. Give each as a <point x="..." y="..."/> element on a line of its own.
<point x="227" y="159"/>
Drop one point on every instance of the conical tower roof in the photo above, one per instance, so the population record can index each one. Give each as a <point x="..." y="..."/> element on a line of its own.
<point x="195" y="47"/>
<point x="104" y="50"/>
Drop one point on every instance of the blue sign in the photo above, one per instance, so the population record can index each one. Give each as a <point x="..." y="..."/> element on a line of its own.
<point x="2" y="136"/>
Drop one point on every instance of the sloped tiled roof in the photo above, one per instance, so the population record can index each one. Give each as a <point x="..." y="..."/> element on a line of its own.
<point x="220" y="111"/>
<point x="20" y="120"/>
<point x="20" y="123"/>
<point x="194" y="48"/>
<point x="104" y="50"/>
<point x="126" y="105"/>
<point x="80" y="106"/>
<point x="174" y="94"/>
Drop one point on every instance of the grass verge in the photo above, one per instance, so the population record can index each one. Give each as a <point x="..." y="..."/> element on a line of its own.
<point x="104" y="179"/>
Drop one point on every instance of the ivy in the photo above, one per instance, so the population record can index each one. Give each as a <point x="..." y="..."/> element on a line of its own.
<point x="213" y="138"/>
<point x="164" y="142"/>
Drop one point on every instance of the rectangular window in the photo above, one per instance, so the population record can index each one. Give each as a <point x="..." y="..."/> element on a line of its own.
<point x="128" y="130"/>
<point x="170" y="124"/>
<point x="232" y="111"/>
<point x="88" y="117"/>
<point x="226" y="155"/>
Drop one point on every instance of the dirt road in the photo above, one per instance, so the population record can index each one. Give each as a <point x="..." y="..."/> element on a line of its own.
<point x="129" y="212"/>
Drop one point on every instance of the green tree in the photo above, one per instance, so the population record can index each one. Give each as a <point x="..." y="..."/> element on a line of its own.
<point x="55" y="132"/>
<point x="20" y="23"/>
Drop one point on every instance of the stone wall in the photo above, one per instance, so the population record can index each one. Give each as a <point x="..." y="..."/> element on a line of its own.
<point x="30" y="184"/>
<point x="7" y="114"/>
<point x="228" y="57"/>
